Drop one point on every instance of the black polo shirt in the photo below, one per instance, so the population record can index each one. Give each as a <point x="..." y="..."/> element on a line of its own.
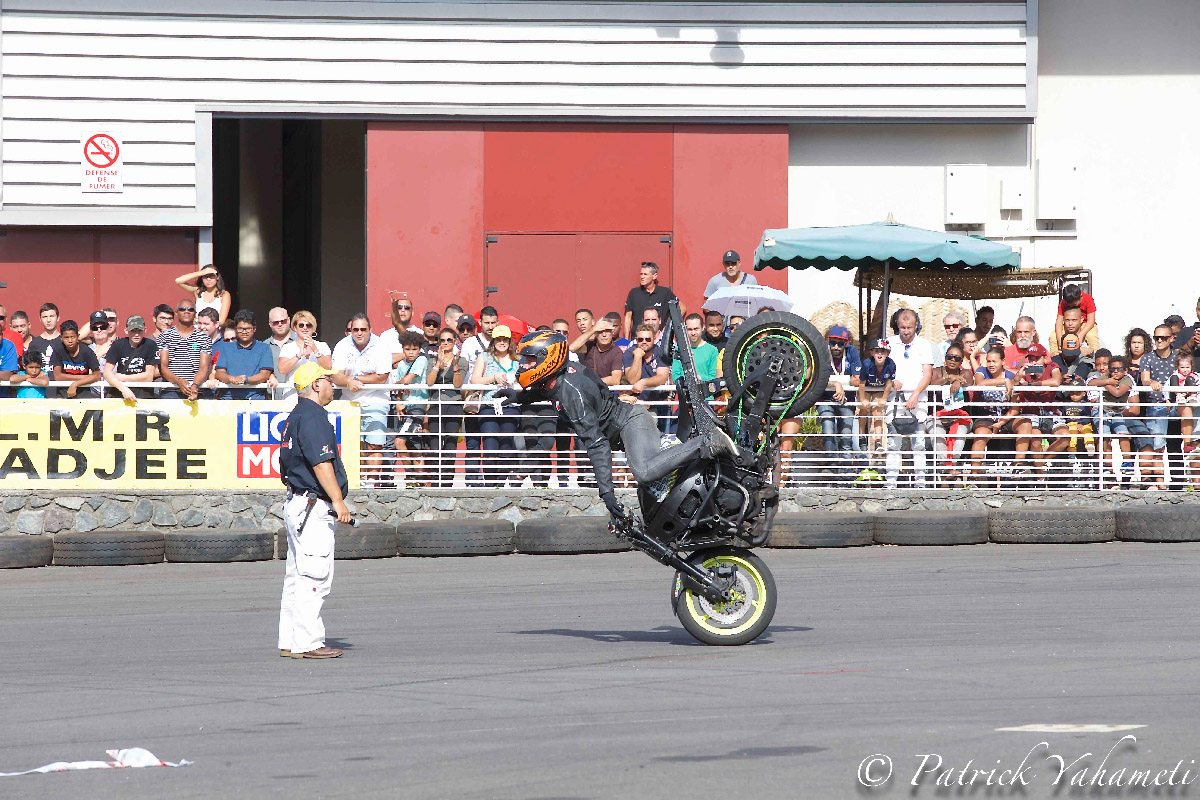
<point x="639" y="300"/>
<point x="309" y="439"/>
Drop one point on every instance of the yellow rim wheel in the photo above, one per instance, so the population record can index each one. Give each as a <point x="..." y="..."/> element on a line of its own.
<point x="734" y="616"/>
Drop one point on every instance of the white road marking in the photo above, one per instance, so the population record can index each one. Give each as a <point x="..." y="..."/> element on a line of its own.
<point x="1070" y="728"/>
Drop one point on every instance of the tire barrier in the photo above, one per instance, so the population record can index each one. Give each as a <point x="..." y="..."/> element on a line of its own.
<point x="26" y="551"/>
<point x="822" y="529"/>
<point x="219" y="546"/>
<point x="1150" y="524"/>
<point x="1058" y="525"/>
<point x="368" y="540"/>
<point x="1066" y="525"/>
<point x="456" y="537"/>
<point x="931" y="527"/>
<point x="579" y="535"/>
<point x="108" y="548"/>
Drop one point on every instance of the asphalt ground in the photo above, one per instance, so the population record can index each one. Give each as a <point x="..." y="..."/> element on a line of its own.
<point x="568" y="677"/>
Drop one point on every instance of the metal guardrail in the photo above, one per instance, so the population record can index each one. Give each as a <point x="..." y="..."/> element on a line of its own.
<point x="1043" y="446"/>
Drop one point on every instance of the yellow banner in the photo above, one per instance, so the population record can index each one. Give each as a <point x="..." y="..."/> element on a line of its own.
<point x="157" y="444"/>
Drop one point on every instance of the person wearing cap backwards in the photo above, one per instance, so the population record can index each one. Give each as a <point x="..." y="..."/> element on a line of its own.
<point x="312" y="470"/>
<point x="132" y="359"/>
<point x="730" y="275"/>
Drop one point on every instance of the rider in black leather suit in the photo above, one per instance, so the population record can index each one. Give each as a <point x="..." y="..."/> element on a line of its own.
<point x="600" y="420"/>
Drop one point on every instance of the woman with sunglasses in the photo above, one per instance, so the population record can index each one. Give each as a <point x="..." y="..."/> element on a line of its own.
<point x="498" y="424"/>
<point x="208" y="287"/>
<point x="953" y="419"/>
<point x="304" y="349"/>
<point x="445" y="412"/>
<point x="973" y="355"/>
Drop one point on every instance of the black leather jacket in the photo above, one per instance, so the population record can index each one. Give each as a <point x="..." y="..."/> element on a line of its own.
<point x="594" y="414"/>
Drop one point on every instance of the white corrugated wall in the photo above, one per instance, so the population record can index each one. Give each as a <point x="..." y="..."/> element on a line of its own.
<point x="144" y="70"/>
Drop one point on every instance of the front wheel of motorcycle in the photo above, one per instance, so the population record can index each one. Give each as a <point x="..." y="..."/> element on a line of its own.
<point x="737" y="621"/>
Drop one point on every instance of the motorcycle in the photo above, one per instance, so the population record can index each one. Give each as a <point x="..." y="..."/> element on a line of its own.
<point x="704" y="518"/>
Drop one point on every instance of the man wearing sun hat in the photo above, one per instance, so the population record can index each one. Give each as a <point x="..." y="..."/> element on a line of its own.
<point x="316" y="482"/>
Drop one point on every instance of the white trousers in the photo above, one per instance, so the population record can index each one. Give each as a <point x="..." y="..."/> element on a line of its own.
<point x="896" y="444"/>
<point x="308" y="575"/>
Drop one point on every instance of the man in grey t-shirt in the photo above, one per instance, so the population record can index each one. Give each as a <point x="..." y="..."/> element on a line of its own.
<point x="730" y="275"/>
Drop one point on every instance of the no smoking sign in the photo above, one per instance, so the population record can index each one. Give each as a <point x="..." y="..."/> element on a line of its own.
<point x="100" y="162"/>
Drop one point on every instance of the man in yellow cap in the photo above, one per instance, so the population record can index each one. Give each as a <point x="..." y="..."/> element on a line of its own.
<point x="312" y="470"/>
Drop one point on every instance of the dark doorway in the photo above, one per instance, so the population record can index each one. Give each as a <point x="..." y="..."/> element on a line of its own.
<point x="288" y="216"/>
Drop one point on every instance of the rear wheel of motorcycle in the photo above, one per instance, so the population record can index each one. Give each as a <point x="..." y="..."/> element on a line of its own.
<point x="805" y="354"/>
<point x="739" y="621"/>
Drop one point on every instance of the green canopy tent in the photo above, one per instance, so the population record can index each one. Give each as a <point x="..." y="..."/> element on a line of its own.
<point x="878" y="248"/>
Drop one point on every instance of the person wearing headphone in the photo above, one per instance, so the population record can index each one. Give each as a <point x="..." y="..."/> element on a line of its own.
<point x="914" y="371"/>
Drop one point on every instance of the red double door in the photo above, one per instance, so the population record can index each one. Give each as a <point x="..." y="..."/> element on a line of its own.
<point x="541" y="276"/>
<point x="559" y="216"/>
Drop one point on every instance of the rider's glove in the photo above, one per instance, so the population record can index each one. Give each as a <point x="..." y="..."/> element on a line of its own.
<point x="508" y="395"/>
<point x="618" y="515"/>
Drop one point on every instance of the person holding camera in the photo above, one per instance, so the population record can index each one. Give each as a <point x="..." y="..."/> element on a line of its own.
<point x="1039" y="417"/>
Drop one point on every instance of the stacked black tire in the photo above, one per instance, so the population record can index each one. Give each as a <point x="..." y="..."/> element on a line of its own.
<point x="568" y="535"/>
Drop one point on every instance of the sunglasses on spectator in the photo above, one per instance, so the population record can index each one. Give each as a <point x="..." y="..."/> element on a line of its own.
<point x="837" y="342"/>
<point x="404" y="308"/>
<point x="186" y="308"/>
<point x="906" y="350"/>
<point x="952" y="326"/>
<point x="645" y="339"/>
<point x="279" y="322"/>
<point x="359" y="330"/>
<point x="447" y="339"/>
<point x="3" y="316"/>
<point x="954" y="358"/>
<point x="100" y="326"/>
<point x="1156" y="338"/>
<point x="302" y="325"/>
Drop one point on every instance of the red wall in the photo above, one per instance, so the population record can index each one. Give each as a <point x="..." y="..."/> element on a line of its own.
<point x="730" y="186"/>
<point x="81" y="271"/>
<point x="434" y="190"/>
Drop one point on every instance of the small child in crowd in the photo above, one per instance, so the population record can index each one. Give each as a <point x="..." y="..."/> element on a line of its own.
<point x="32" y="382"/>
<point x="1080" y="417"/>
<point x="1185" y="402"/>
<point x="877" y="375"/>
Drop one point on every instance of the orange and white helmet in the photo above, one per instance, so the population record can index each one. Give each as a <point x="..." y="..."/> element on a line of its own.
<point x="543" y="355"/>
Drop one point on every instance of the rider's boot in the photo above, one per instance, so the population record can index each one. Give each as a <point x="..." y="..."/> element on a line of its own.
<point x="719" y="444"/>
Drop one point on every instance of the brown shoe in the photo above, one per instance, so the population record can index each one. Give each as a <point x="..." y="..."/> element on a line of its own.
<point x="285" y="653"/>
<point x="320" y="652"/>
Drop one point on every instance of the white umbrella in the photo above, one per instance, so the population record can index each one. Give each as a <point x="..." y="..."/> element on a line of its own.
<point x="745" y="300"/>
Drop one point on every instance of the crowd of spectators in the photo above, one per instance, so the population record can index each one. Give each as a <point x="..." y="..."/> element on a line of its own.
<point x="1007" y="409"/>
<point x="200" y="348"/>
<point x="980" y="396"/>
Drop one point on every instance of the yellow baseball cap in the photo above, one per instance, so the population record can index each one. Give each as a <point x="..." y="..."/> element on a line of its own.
<point x="501" y="332"/>
<point x="307" y="373"/>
